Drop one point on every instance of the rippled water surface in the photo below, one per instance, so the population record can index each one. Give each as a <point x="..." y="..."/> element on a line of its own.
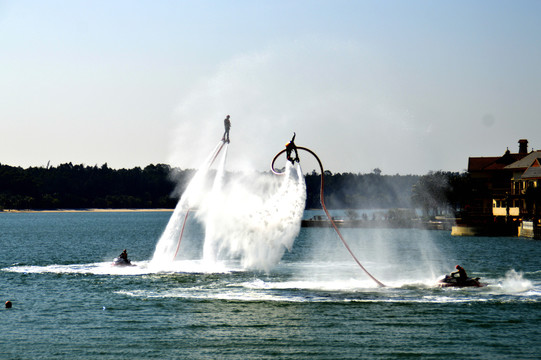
<point x="69" y="302"/>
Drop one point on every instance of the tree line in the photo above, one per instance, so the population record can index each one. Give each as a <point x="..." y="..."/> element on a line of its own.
<point x="69" y="186"/>
<point x="436" y="193"/>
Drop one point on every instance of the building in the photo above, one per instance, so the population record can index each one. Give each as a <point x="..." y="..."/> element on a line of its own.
<point x="491" y="209"/>
<point x="525" y="192"/>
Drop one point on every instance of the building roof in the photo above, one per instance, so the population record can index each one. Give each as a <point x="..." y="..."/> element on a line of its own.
<point x="525" y="162"/>
<point x="493" y="163"/>
<point x="532" y="173"/>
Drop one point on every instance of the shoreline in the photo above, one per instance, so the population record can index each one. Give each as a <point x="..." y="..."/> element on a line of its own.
<point x="83" y="210"/>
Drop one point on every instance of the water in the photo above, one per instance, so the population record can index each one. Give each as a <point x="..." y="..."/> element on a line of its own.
<point x="252" y="216"/>
<point x="68" y="302"/>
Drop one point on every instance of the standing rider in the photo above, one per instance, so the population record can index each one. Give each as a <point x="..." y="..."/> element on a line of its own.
<point x="227" y="125"/>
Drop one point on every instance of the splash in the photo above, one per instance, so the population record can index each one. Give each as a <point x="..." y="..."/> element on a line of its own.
<point x="192" y="196"/>
<point x="255" y="221"/>
<point x="514" y="282"/>
<point x="252" y="218"/>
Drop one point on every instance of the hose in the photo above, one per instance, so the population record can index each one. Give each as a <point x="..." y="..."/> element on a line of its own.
<point x="188" y="211"/>
<point x="181" y="232"/>
<point x="379" y="283"/>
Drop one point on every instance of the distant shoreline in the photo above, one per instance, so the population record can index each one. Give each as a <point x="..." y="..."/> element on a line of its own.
<point x="84" y="210"/>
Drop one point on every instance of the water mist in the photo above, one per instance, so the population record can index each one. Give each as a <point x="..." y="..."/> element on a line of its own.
<point x="197" y="187"/>
<point x="251" y="218"/>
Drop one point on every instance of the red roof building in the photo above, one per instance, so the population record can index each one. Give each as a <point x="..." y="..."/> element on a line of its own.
<point x="491" y="207"/>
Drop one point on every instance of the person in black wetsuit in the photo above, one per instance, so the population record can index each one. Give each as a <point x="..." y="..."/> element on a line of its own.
<point x="462" y="275"/>
<point x="124" y="255"/>
<point x="290" y="146"/>
<point x="227" y="126"/>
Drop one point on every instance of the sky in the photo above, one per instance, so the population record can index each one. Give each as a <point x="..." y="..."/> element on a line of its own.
<point x="404" y="86"/>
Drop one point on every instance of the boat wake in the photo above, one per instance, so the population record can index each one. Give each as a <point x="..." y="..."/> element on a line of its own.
<point x="514" y="283"/>
<point x="289" y="283"/>
<point x="139" y="268"/>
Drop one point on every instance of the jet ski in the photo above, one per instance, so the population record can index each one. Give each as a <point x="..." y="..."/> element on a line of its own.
<point x="450" y="281"/>
<point x="118" y="261"/>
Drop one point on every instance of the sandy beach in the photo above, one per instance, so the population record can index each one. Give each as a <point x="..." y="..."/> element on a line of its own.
<point x="85" y="210"/>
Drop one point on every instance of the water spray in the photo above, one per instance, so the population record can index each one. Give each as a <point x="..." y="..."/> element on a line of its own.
<point x="254" y="220"/>
<point x="214" y="156"/>
<point x="181" y="233"/>
<point x="323" y="202"/>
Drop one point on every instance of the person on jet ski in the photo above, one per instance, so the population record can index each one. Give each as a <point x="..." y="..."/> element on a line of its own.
<point x="124" y="255"/>
<point x="462" y="275"/>
<point x="290" y="146"/>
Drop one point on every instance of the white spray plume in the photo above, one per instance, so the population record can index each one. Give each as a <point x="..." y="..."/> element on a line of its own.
<point x="192" y="196"/>
<point x="316" y="87"/>
<point x="253" y="217"/>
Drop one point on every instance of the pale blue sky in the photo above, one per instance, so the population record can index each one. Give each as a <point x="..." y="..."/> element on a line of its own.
<point x="406" y="86"/>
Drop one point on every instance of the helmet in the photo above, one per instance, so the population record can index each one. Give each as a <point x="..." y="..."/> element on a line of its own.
<point x="457" y="267"/>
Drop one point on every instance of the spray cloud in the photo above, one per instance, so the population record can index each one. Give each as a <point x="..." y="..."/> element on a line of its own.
<point x="252" y="217"/>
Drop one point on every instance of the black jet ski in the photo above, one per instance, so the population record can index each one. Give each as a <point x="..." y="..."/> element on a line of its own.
<point x="449" y="281"/>
<point x="118" y="261"/>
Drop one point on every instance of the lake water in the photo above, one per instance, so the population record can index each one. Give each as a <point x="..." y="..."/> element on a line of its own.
<point x="316" y="303"/>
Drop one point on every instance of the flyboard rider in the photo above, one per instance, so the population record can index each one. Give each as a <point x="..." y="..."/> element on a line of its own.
<point x="227" y="126"/>
<point x="290" y="146"/>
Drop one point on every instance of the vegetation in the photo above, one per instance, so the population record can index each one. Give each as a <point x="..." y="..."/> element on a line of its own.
<point x="69" y="186"/>
<point x="357" y="191"/>
<point x="441" y="192"/>
<point x="76" y="186"/>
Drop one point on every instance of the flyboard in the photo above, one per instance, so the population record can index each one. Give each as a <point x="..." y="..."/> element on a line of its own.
<point x="214" y="156"/>
<point x="379" y="283"/>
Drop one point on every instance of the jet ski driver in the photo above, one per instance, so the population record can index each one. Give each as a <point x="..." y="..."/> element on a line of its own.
<point x="290" y="146"/>
<point x="124" y="255"/>
<point x="462" y="276"/>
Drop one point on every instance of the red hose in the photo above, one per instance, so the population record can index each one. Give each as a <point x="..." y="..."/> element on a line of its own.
<point x="326" y="211"/>
<point x="217" y="152"/>
<point x="188" y="211"/>
<point x="181" y="232"/>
